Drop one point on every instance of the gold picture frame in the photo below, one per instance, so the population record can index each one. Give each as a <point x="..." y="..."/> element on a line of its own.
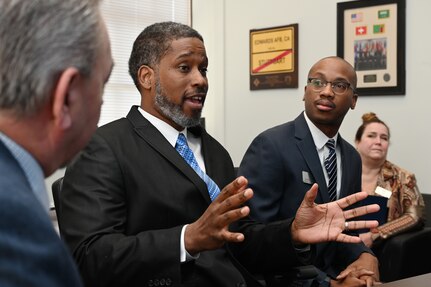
<point x="274" y="57"/>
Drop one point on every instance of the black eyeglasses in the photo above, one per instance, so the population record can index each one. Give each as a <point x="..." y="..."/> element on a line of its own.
<point x="338" y="87"/>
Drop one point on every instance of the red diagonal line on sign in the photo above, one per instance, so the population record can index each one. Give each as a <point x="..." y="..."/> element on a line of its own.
<point x="261" y="67"/>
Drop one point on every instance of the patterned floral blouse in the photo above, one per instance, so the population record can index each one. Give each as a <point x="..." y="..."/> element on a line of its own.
<point x="406" y="208"/>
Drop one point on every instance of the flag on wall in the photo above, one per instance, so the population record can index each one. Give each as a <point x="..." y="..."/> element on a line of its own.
<point x="361" y="30"/>
<point x="378" y="29"/>
<point x="356" y="17"/>
<point x="383" y="14"/>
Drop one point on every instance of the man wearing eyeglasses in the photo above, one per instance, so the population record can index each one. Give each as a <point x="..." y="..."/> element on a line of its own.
<point x="283" y="162"/>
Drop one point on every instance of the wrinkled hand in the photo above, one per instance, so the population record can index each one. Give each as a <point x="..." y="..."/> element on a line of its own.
<point x="353" y="278"/>
<point x="366" y="262"/>
<point x="316" y="223"/>
<point x="210" y="231"/>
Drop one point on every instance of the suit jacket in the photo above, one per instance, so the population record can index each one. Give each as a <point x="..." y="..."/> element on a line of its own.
<point x="31" y="252"/>
<point x="126" y="198"/>
<point x="281" y="164"/>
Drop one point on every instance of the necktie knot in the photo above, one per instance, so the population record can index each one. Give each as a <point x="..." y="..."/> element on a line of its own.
<point x="181" y="140"/>
<point x="330" y="144"/>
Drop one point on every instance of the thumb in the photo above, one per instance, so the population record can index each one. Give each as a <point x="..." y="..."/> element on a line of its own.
<point x="311" y="195"/>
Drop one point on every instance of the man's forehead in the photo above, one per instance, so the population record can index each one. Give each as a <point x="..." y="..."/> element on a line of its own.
<point x="186" y="47"/>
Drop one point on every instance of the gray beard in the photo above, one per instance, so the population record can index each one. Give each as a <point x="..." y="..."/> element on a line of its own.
<point x="174" y="111"/>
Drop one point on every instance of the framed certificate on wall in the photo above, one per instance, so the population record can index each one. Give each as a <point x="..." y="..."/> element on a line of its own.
<point x="274" y="57"/>
<point x="371" y="37"/>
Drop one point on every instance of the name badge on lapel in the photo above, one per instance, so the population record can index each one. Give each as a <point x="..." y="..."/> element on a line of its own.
<point x="306" y="177"/>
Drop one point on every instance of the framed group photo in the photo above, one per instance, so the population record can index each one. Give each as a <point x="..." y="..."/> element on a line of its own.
<point x="371" y="37"/>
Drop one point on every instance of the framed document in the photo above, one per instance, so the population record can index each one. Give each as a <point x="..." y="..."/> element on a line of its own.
<point x="274" y="58"/>
<point x="371" y="37"/>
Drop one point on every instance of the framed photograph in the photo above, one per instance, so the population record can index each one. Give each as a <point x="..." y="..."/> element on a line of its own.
<point x="371" y="37"/>
<point x="274" y="57"/>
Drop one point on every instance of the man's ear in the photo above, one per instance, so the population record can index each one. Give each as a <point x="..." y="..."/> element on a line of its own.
<point x="305" y="90"/>
<point x="63" y="90"/>
<point x="146" y="77"/>
<point x="354" y="100"/>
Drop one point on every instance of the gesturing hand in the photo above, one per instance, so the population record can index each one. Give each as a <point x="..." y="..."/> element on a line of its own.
<point x="210" y="231"/>
<point x="326" y="222"/>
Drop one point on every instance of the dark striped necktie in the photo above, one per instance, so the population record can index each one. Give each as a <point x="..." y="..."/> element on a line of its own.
<point x="331" y="168"/>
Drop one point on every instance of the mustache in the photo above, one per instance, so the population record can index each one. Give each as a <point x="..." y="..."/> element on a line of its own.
<point x="200" y="90"/>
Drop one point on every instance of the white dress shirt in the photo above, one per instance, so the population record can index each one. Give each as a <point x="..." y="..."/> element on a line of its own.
<point x="320" y="140"/>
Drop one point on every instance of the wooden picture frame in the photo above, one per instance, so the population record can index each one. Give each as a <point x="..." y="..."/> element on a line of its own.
<point x="274" y="57"/>
<point x="371" y="37"/>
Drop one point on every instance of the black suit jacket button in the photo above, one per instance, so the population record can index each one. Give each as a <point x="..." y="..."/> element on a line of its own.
<point x="156" y="282"/>
<point x="150" y="283"/>
<point x="241" y="284"/>
<point x="162" y="282"/>
<point x="168" y="282"/>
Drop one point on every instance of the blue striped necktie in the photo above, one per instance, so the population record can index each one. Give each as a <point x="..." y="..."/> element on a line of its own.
<point x="331" y="168"/>
<point x="184" y="150"/>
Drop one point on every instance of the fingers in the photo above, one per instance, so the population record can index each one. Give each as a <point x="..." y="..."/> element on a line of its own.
<point x="231" y="216"/>
<point x="233" y="237"/>
<point x="358" y="273"/>
<point x="351" y="199"/>
<point x="310" y="196"/>
<point x="360" y="224"/>
<point x="233" y="196"/>
<point x="210" y="231"/>
<point x="235" y="201"/>
<point x="343" y="274"/>
<point x="342" y="237"/>
<point x="361" y="211"/>
<point x="239" y="184"/>
<point x="229" y="205"/>
<point x="371" y="281"/>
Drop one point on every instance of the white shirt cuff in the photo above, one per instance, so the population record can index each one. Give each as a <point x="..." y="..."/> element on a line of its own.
<point x="184" y="255"/>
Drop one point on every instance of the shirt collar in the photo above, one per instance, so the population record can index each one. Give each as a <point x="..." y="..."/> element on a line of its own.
<point x="31" y="168"/>
<point x="169" y="132"/>
<point x="319" y="137"/>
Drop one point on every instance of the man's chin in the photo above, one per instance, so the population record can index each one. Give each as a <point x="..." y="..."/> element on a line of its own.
<point x="192" y="123"/>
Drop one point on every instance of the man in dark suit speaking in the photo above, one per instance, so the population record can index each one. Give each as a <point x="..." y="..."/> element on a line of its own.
<point x="144" y="204"/>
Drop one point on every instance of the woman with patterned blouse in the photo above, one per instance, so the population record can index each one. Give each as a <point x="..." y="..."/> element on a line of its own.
<point x="405" y="204"/>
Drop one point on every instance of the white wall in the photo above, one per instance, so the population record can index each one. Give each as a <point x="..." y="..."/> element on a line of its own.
<point x="235" y="115"/>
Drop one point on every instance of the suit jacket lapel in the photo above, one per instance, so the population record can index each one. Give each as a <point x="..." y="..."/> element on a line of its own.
<point x="145" y="130"/>
<point x="307" y="148"/>
<point x="346" y="159"/>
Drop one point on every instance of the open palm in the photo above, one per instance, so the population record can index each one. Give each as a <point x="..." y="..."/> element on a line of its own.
<point x="326" y="222"/>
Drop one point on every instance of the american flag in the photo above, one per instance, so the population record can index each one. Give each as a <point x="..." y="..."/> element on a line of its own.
<point x="356" y="17"/>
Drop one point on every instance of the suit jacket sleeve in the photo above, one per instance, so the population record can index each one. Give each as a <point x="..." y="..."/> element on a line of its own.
<point x="268" y="248"/>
